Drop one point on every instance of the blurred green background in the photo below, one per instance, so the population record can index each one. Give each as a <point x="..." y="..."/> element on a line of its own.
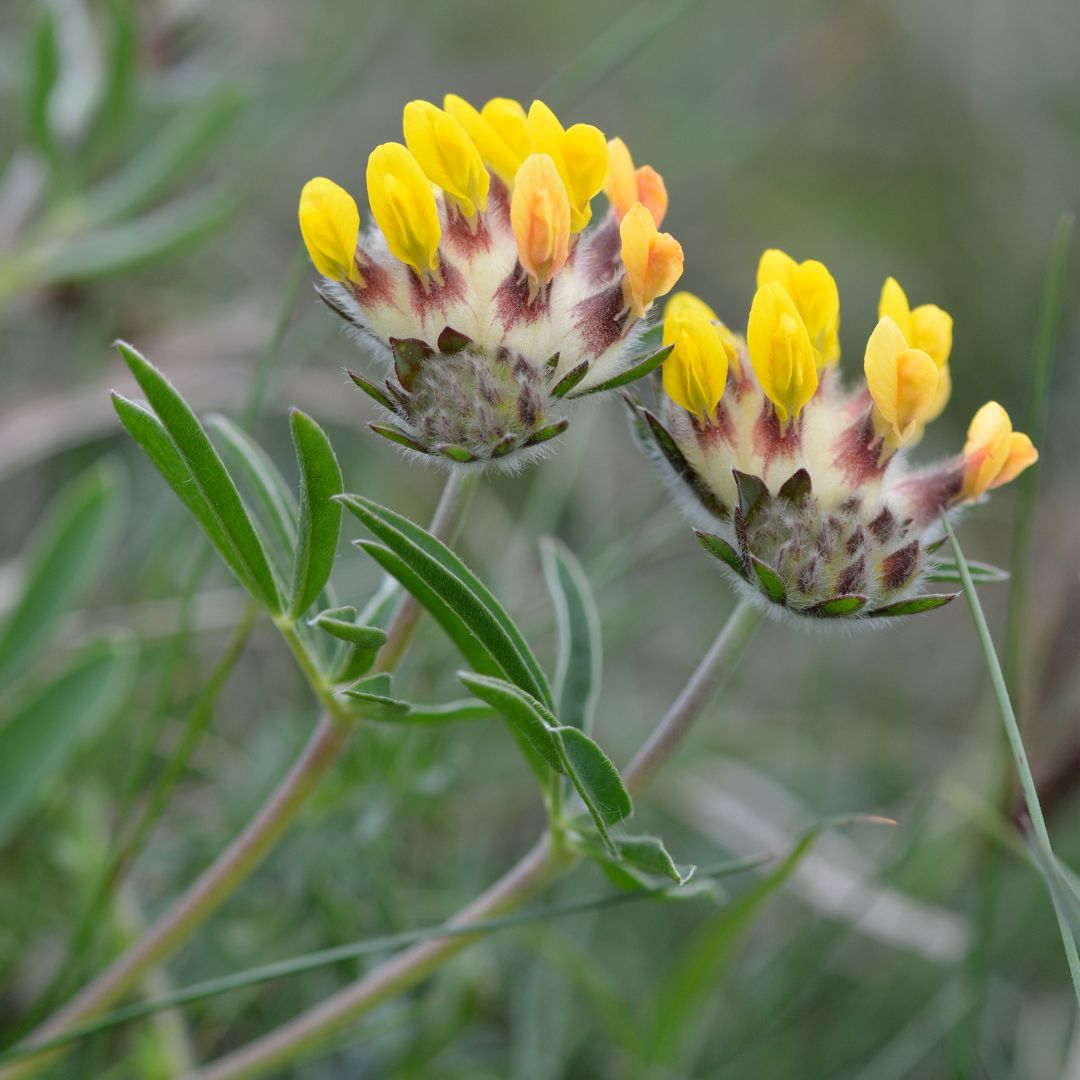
<point x="151" y="159"/>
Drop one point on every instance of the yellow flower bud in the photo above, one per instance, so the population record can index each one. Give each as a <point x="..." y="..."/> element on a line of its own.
<point x="813" y="291"/>
<point x="994" y="454"/>
<point x="330" y="225"/>
<point x="447" y="155"/>
<point x="903" y="383"/>
<point x="653" y="260"/>
<point x="540" y="218"/>
<point x="781" y="353"/>
<point x="500" y="145"/>
<point x="403" y="205"/>
<point x="626" y="185"/>
<point x="580" y="153"/>
<point x="695" y="372"/>
<point x="927" y="327"/>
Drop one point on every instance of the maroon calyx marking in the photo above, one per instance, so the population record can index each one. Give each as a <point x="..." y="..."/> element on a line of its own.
<point x="716" y="429"/>
<point x="898" y="567"/>
<point x="771" y="441"/>
<point x="858" y="451"/>
<point x="378" y="287"/>
<point x="512" y="304"/>
<point x="467" y="239"/>
<point x="807" y="580"/>
<point x="498" y="207"/>
<point x="932" y="492"/>
<point x="601" y="252"/>
<point x="852" y="578"/>
<point x="855" y="541"/>
<point x="439" y="295"/>
<point x="603" y="318"/>
<point x="883" y="526"/>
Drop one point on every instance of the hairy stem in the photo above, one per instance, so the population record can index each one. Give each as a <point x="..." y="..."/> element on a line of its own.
<point x="543" y="864"/>
<point x="237" y="861"/>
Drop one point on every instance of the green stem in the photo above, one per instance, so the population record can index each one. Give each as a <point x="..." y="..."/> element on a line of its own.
<point x="544" y="863"/>
<point x="236" y="862"/>
<point x="1016" y="745"/>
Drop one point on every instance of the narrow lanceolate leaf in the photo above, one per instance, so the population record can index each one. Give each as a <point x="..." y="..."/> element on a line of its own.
<point x="577" y="675"/>
<point x="451" y="712"/>
<point x="570" y="380"/>
<point x="473" y="606"/>
<point x="320" y="513"/>
<point x="916" y="605"/>
<point x="67" y="550"/>
<point x="44" y="732"/>
<point x="947" y="572"/>
<point x="527" y="717"/>
<point x="374" y="392"/>
<point x="546" y="434"/>
<point x="837" y="605"/>
<point x="637" y="862"/>
<point x="341" y="623"/>
<point x="208" y="473"/>
<point x="400" y="436"/>
<point x="596" y="780"/>
<point x="638" y="371"/>
<point x="276" y="503"/>
<point x="150" y="434"/>
<point x="720" y="549"/>
<point x="648" y="853"/>
<point x="772" y="584"/>
<point x="370" y="698"/>
<point x="658" y="442"/>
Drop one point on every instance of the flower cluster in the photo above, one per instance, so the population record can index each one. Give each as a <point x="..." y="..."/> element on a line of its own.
<point x="799" y="483"/>
<point x="480" y="284"/>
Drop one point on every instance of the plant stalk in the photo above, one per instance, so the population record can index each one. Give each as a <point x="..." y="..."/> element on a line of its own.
<point x="237" y="861"/>
<point x="545" y="862"/>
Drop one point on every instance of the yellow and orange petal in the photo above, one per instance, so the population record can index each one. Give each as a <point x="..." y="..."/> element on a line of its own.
<point x="540" y="219"/>
<point x="653" y="260"/>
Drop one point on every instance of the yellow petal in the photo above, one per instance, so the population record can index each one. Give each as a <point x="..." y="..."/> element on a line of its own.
<point x="653" y="260"/>
<point x="931" y="330"/>
<point x="447" y="155"/>
<point x="780" y="351"/>
<point x="894" y="305"/>
<point x="580" y="154"/>
<point x="682" y="304"/>
<point x="695" y="372"/>
<point x="652" y="192"/>
<point x="1021" y="454"/>
<point x="814" y="292"/>
<point x="621" y="184"/>
<point x="941" y="398"/>
<point x="330" y="225"/>
<point x="508" y="119"/>
<point x="903" y="382"/>
<point x="503" y="158"/>
<point x="986" y="449"/>
<point x="540" y="218"/>
<point x="403" y="205"/>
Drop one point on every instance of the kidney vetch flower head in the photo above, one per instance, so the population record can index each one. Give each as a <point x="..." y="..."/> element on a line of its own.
<point x="799" y="483"/>
<point x="478" y="281"/>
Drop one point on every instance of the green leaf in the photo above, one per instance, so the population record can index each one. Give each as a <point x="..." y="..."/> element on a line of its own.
<point x="452" y="712"/>
<point x="114" y="109"/>
<point x="341" y="623"/>
<point x="163" y="160"/>
<point x="458" y="588"/>
<point x="443" y="613"/>
<point x="149" y="433"/>
<point x="916" y="605"/>
<point x="577" y="675"/>
<point x="947" y="572"/>
<point x="720" y="549"/>
<point x="276" y="503"/>
<point x="638" y="371"/>
<point x="837" y="606"/>
<point x="320" y="512"/>
<point x="139" y="242"/>
<point x="371" y="698"/>
<point x="597" y="782"/>
<point x="639" y="860"/>
<point x="570" y="380"/>
<point x="772" y="584"/>
<point x="68" y="549"/>
<point x="39" y="738"/>
<point x="208" y="473"/>
<point x="526" y="716"/>
<point x="44" y="71"/>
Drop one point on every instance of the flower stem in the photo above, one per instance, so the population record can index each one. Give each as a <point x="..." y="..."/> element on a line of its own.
<point x="1047" y="860"/>
<point x="237" y="861"/>
<point x="545" y="862"/>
